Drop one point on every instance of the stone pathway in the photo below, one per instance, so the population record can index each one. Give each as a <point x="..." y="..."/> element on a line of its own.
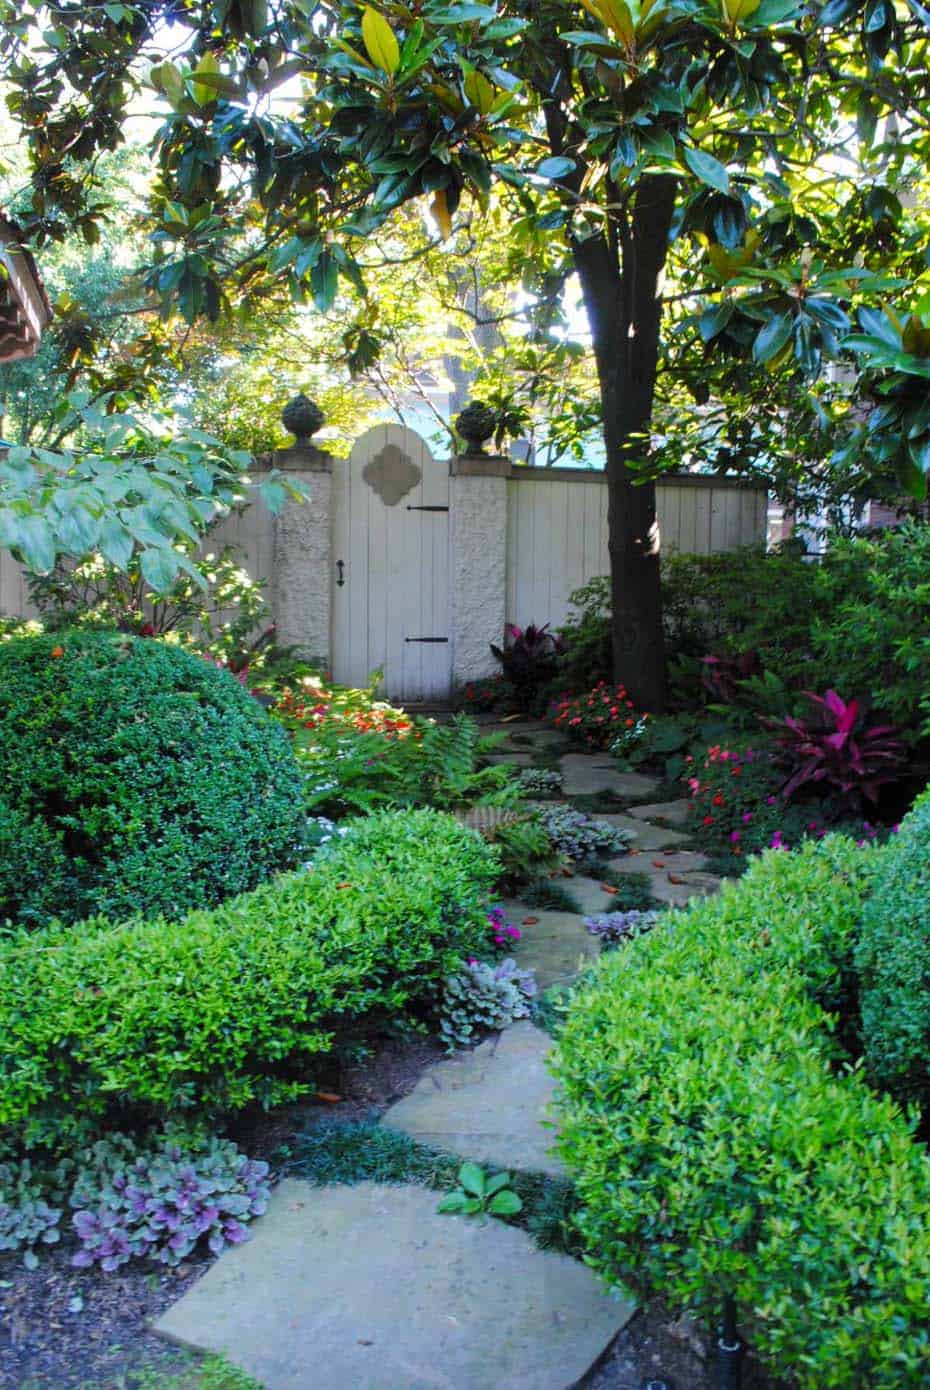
<point x="368" y="1287"/>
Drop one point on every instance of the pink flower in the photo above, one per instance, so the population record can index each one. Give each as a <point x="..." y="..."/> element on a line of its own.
<point x="735" y="836"/>
<point x="747" y="817"/>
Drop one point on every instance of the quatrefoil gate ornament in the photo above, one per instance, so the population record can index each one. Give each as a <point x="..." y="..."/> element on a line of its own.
<point x="391" y="474"/>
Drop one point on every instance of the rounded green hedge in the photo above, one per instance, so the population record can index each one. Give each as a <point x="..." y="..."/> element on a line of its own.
<point x="893" y="960"/>
<point x="149" y="780"/>
<point x="103" y="1024"/>
<point x="721" y="1142"/>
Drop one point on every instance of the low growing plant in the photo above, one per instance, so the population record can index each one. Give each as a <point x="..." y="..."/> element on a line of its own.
<point x="480" y="997"/>
<point x="580" y="837"/>
<point x="481" y="1194"/>
<point x="30" y="1210"/>
<point x="616" y="928"/>
<point x="159" y="1198"/>
<point x="601" y="718"/>
<point x="538" y="781"/>
<point x="837" y="752"/>
<point x="528" y="658"/>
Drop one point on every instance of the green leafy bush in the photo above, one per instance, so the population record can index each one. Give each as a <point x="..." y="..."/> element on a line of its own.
<point x="160" y="781"/>
<point x="720" y="1145"/>
<point x="893" y="960"/>
<point x="101" y="1022"/>
<point x="871" y="622"/>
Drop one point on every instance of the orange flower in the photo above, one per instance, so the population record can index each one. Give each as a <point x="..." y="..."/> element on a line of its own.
<point x="57" y="652"/>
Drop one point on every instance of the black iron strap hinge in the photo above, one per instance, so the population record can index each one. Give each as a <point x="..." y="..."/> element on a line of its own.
<point x="427" y="509"/>
<point x="426" y="639"/>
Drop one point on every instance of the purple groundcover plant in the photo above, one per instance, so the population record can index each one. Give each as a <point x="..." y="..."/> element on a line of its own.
<point x="837" y="751"/>
<point x="613" y="928"/>
<point x="160" y="1200"/>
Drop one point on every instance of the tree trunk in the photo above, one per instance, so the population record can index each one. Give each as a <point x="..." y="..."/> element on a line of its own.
<point x="620" y="275"/>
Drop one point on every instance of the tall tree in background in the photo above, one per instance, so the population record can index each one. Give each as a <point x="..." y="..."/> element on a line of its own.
<point x="616" y="129"/>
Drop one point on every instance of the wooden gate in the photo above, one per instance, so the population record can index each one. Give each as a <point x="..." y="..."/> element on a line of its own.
<point x="391" y="552"/>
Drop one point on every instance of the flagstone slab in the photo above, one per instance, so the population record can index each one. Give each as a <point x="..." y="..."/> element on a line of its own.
<point x="556" y="946"/>
<point x="489" y="1104"/>
<point x="587" y="773"/>
<point x="648" y="837"/>
<point x="677" y="861"/>
<point x="670" y="812"/>
<point x="368" y="1288"/>
<point x="589" y="893"/>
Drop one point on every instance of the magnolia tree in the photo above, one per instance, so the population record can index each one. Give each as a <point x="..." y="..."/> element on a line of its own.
<point x="706" y="143"/>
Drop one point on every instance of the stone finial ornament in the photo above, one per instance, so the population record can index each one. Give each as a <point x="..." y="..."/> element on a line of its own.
<point x="302" y="417"/>
<point x="476" y="424"/>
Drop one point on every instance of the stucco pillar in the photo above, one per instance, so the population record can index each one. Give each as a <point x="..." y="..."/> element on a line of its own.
<point x="303" y="568"/>
<point x="479" y="562"/>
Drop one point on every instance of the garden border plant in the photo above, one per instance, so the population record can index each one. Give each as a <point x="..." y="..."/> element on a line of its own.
<point x="721" y="1143"/>
<point x="148" y="780"/>
<point x="104" y="1023"/>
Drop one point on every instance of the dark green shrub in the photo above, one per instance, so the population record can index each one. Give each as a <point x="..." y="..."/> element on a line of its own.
<point x="165" y="784"/>
<point x="229" y="1005"/>
<point x="720" y="1145"/>
<point x="894" y="961"/>
<point x="34" y="878"/>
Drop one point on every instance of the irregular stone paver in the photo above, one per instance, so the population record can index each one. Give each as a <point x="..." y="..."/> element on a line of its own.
<point x="368" y="1288"/>
<point x="507" y="755"/>
<point x="673" y="812"/>
<point x="676" y="861"/>
<point x="587" y="773"/>
<point x="556" y="946"/>
<point x="589" y="893"/>
<point x="648" y="836"/>
<point x="488" y="1104"/>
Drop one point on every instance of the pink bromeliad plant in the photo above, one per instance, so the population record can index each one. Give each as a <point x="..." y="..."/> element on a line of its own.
<point x="837" y="751"/>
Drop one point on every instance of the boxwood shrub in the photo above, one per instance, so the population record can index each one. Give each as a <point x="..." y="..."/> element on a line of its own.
<point x="149" y="778"/>
<point x="722" y="1143"/>
<point x="145" y="1019"/>
<point x="894" y="961"/>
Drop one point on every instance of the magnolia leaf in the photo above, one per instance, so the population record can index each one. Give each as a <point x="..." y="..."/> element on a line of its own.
<point x="708" y="169"/>
<point x="380" y="43"/>
<point x="555" y="168"/>
<point x="772" y="337"/>
<point x="737" y="10"/>
<point x="616" y="15"/>
<point x="439" y="207"/>
<point x="480" y="91"/>
<point x="202" y="93"/>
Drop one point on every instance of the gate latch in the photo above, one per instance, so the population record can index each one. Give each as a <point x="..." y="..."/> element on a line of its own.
<point x="340" y="576"/>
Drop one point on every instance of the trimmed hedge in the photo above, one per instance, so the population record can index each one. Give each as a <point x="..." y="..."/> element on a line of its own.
<point x="893" y="960"/>
<point x="153" y="780"/>
<point x="721" y="1143"/>
<point x="230" y="1006"/>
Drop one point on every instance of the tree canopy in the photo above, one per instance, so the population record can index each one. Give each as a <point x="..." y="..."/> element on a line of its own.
<point x="760" y="162"/>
